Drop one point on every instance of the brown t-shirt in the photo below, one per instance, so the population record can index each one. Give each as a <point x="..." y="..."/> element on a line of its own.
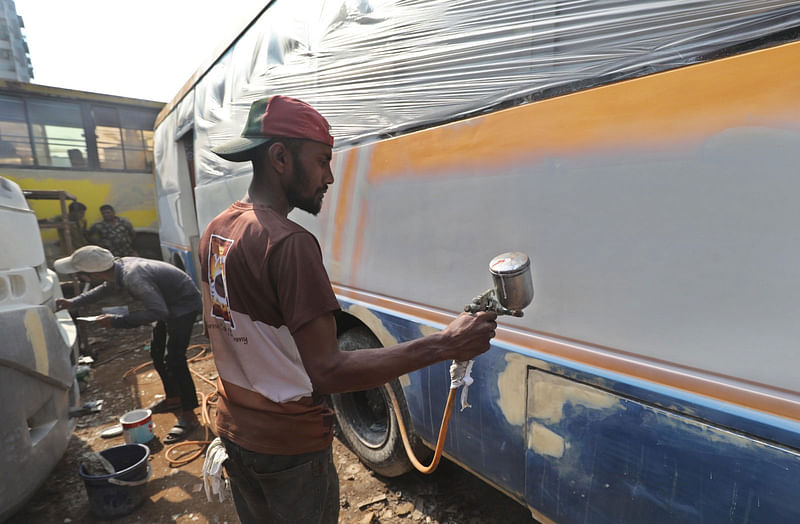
<point x="263" y="279"/>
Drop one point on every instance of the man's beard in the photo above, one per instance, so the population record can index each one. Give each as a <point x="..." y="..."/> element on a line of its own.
<point x="307" y="204"/>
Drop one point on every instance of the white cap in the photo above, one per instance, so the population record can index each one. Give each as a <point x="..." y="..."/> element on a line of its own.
<point x="88" y="259"/>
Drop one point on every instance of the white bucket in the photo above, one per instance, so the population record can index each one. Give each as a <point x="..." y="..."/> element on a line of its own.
<point x="137" y="426"/>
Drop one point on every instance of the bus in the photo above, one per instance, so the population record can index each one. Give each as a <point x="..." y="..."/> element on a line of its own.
<point x="38" y="360"/>
<point x="96" y="148"/>
<point x="642" y="154"/>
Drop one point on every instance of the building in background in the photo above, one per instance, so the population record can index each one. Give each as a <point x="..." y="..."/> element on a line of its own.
<point x="15" y="60"/>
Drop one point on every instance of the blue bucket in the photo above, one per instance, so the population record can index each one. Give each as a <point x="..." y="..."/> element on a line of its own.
<point x="121" y="492"/>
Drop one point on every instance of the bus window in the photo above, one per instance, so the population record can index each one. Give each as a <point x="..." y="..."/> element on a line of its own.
<point x="137" y="138"/>
<point x="135" y="149"/>
<point x="109" y="140"/>
<point x="58" y="134"/>
<point x="15" y="143"/>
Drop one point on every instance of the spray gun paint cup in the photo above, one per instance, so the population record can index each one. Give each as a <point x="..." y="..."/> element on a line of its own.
<point x="511" y="274"/>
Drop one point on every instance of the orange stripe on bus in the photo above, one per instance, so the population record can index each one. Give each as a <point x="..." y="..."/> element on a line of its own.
<point x="347" y="180"/>
<point x="757" y="88"/>
<point x="359" y="241"/>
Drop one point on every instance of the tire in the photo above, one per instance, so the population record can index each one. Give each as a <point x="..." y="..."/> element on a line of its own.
<point x="366" y="420"/>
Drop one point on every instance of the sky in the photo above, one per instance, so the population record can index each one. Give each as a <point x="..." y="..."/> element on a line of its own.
<point x="145" y="49"/>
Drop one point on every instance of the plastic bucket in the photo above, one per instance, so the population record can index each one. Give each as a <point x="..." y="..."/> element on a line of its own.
<point x="137" y="426"/>
<point x="121" y="492"/>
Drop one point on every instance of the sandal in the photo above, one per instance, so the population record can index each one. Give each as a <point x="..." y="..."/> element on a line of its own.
<point x="179" y="431"/>
<point x="163" y="406"/>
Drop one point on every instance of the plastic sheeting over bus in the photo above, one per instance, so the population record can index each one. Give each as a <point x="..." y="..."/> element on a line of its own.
<point x="381" y="67"/>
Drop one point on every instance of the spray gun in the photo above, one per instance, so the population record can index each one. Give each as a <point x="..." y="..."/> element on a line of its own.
<point x="513" y="286"/>
<point x="511" y="293"/>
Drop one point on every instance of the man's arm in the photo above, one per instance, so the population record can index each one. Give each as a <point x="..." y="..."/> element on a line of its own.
<point x="155" y="307"/>
<point x="335" y="371"/>
<point x="84" y="298"/>
<point x="307" y="303"/>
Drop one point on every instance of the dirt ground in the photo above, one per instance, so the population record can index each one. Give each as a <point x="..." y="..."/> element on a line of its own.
<point x="175" y="494"/>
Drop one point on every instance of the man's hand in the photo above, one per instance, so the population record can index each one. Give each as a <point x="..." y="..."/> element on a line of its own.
<point x="63" y="303"/>
<point x="469" y="334"/>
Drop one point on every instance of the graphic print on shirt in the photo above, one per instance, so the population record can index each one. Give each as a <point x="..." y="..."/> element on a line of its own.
<point x="218" y="285"/>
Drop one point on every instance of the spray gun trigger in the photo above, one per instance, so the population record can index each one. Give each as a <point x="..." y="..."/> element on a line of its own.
<point x="483" y="302"/>
<point x="487" y="301"/>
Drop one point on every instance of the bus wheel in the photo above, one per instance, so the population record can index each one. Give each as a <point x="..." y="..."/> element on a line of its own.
<point x="366" y="419"/>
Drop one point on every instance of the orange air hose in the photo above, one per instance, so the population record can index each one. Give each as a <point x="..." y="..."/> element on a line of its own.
<point x="437" y="454"/>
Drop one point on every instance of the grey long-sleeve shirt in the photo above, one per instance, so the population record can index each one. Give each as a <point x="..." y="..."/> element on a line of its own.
<point x="166" y="291"/>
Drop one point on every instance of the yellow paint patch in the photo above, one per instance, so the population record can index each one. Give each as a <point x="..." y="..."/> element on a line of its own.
<point x="540" y="518"/>
<point x="143" y="218"/>
<point x="35" y="333"/>
<point x="545" y="442"/>
<point x="132" y="194"/>
<point x="92" y="193"/>
<point x="511" y="386"/>
<point x="373" y="323"/>
<point x="548" y="394"/>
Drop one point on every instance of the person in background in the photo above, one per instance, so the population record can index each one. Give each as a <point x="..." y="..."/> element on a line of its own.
<point x="171" y="300"/>
<point x="269" y="311"/>
<point x="114" y="233"/>
<point x="76" y="218"/>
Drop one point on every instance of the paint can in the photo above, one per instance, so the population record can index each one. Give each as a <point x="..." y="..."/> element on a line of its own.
<point x="137" y="426"/>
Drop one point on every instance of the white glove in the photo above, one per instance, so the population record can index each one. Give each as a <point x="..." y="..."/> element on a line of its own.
<point x="213" y="482"/>
<point x="460" y="375"/>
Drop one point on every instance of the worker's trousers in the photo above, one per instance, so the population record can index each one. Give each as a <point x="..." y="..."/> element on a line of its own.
<point x="285" y="489"/>
<point x="168" y="351"/>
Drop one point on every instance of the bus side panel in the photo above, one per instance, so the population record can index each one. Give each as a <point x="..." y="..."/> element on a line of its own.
<point x="593" y="456"/>
<point x="659" y="213"/>
<point x="176" y="210"/>
<point x="553" y="434"/>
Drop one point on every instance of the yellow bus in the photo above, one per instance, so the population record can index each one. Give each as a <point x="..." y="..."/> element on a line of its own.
<point x="97" y="148"/>
<point x="643" y="154"/>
